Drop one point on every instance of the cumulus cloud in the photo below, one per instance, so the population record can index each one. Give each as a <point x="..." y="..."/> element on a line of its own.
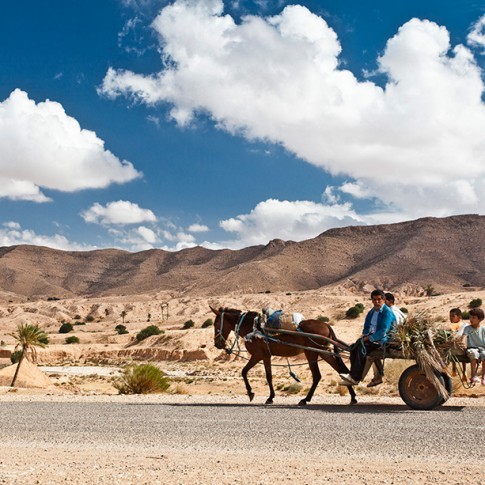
<point x="12" y="234"/>
<point x="287" y="220"/>
<point x="412" y="142"/>
<point x="476" y="37"/>
<point x="197" y="228"/>
<point x="43" y="147"/>
<point x="120" y="212"/>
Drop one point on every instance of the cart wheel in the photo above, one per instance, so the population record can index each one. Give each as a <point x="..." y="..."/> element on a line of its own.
<point x="418" y="392"/>
<point x="448" y="385"/>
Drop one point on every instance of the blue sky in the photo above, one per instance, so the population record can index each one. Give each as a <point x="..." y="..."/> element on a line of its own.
<point x="143" y="124"/>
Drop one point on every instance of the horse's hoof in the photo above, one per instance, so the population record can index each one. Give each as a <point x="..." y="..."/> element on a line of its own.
<point x="251" y="396"/>
<point x="353" y="401"/>
<point x="269" y="401"/>
<point x="302" y="402"/>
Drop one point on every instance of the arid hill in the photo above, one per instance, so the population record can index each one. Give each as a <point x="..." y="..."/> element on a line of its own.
<point x="444" y="252"/>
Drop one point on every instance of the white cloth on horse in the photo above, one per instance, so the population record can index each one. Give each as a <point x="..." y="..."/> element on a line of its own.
<point x="297" y="318"/>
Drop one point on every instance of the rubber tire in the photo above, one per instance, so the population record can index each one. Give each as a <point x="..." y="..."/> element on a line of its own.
<point x="418" y="392"/>
<point x="448" y="385"/>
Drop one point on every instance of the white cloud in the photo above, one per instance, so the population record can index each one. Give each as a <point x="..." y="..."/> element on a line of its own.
<point x="147" y="234"/>
<point x="197" y="228"/>
<point x="287" y="220"/>
<point x="476" y="37"/>
<point x="119" y="212"/>
<point x="13" y="235"/>
<point x="411" y="143"/>
<point x="42" y="147"/>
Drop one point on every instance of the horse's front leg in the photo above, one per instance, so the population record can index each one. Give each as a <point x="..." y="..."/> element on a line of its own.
<point x="252" y="362"/>
<point x="316" y="376"/>
<point x="269" y="379"/>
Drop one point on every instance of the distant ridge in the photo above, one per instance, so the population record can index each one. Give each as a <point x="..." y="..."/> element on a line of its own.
<point x="445" y="252"/>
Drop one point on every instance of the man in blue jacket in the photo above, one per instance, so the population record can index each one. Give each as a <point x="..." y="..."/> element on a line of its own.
<point x="377" y="324"/>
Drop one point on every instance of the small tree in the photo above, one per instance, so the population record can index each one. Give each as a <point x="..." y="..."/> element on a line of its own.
<point x="121" y="329"/>
<point x="208" y="323"/>
<point x="123" y="315"/>
<point x="352" y="312"/>
<point x="28" y="337"/>
<point x="66" y="328"/>
<point x="188" y="324"/>
<point x="360" y="307"/>
<point x="148" y="332"/>
<point x="429" y="290"/>
<point x="90" y="318"/>
<point x="72" y="340"/>
<point x="476" y="303"/>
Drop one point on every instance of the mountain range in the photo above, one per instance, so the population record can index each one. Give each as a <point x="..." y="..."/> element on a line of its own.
<point x="447" y="253"/>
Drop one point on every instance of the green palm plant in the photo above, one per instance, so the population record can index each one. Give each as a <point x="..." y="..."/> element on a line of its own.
<point x="28" y="337"/>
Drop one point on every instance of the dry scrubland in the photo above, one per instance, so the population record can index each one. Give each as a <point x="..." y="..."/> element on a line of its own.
<point x="188" y="355"/>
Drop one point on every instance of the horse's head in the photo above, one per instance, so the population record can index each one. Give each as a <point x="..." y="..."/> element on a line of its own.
<point x="223" y="324"/>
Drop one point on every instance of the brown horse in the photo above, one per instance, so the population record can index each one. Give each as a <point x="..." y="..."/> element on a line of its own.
<point x="262" y="349"/>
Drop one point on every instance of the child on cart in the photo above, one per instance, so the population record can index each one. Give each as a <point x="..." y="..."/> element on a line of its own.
<point x="475" y="337"/>
<point x="457" y="325"/>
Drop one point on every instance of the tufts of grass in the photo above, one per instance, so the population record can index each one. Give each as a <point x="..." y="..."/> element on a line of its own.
<point x="142" y="379"/>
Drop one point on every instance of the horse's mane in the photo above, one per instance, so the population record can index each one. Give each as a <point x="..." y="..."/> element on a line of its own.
<point x="229" y="310"/>
<point x="235" y="311"/>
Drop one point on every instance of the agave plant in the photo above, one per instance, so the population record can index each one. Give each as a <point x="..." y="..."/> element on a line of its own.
<point x="428" y="344"/>
<point x="28" y="337"/>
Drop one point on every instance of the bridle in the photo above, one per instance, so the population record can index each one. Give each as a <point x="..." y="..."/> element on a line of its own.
<point x="237" y="328"/>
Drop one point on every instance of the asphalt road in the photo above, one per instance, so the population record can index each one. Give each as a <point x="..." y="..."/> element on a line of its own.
<point x="391" y="433"/>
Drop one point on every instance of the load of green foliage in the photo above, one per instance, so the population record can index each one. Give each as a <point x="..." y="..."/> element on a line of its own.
<point x="427" y="343"/>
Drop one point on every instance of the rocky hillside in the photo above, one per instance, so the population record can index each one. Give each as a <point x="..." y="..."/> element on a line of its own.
<point x="445" y="252"/>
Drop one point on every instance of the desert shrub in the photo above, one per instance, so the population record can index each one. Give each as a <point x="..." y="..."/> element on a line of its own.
<point x="65" y="328"/>
<point x="404" y="309"/>
<point x="292" y="388"/>
<point x="477" y="302"/>
<point x="360" y="307"/>
<point x="15" y="356"/>
<point x="467" y="285"/>
<point x="429" y="290"/>
<point x="465" y="315"/>
<point x="89" y="318"/>
<point x="142" y="379"/>
<point x="148" y="332"/>
<point x="188" y="324"/>
<point x="208" y="323"/>
<point x="79" y="323"/>
<point x="72" y="340"/>
<point x="323" y="319"/>
<point x="352" y="312"/>
<point x="77" y="317"/>
<point x="121" y="329"/>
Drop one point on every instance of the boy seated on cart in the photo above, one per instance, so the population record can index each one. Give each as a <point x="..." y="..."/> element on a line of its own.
<point x="475" y="344"/>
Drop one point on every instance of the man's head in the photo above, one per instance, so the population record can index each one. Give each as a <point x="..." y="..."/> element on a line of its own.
<point x="476" y="316"/>
<point x="389" y="299"/>
<point x="455" y="315"/>
<point x="378" y="298"/>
